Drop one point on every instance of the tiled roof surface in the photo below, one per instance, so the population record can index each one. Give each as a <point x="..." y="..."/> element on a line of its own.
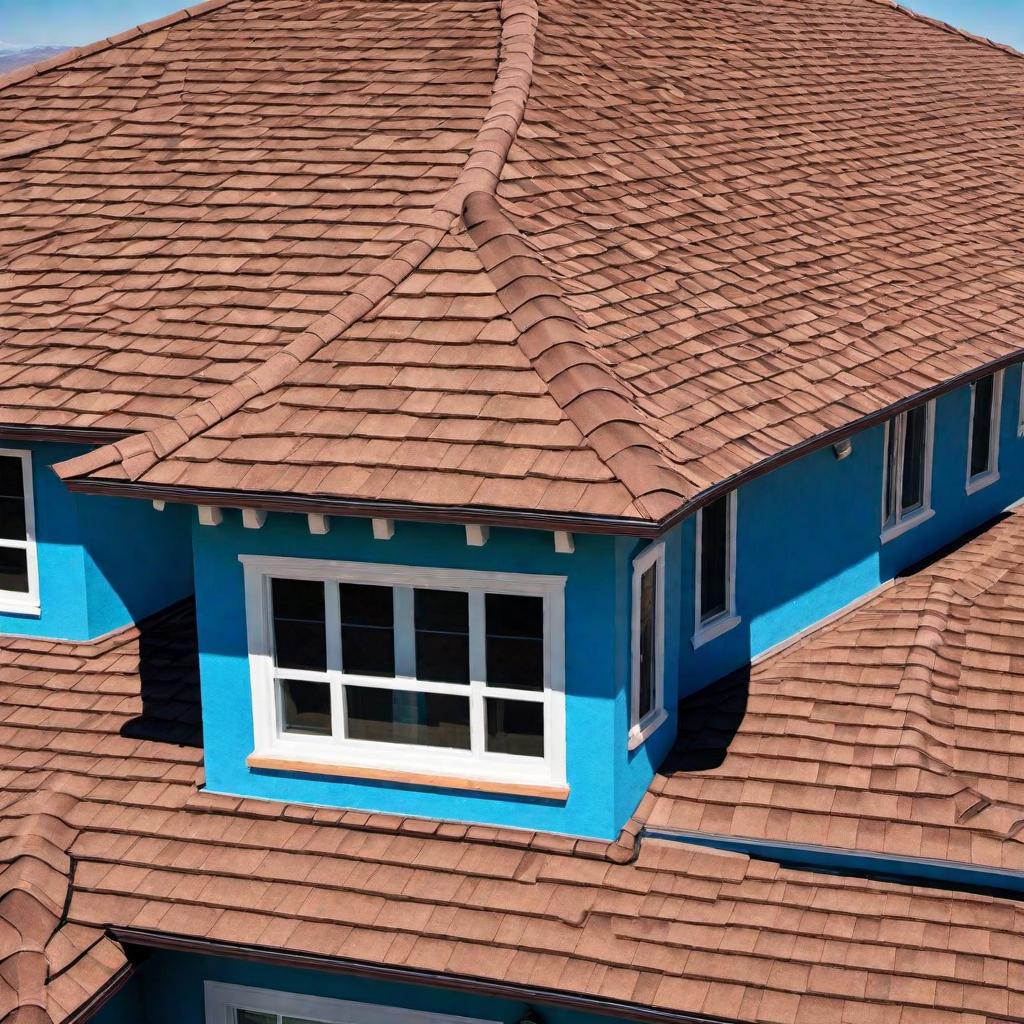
<point x="177" y="208"/>
<point x="720" y="230"/>
<point x="658" y="924"/>
<point x="897" y="729"/>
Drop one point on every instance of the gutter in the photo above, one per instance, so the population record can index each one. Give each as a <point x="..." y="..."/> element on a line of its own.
<point x="412" y="511"/>
<point x="958" y="876"/>
<point x="73" y="435"/>
<point x="618" y="1009"/>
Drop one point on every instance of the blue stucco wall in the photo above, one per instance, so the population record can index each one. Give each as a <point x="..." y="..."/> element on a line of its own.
<point x="605" y="781"/>
<point x="808" y="534"/>
<point x="103" y="562"/>
<point x="169" y="990"/>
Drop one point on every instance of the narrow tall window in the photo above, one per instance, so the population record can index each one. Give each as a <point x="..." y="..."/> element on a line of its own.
<point x="983" y="434"/>
<point x="392" y="669"/>
<point x="907" y="484"/>
<point x="19" y="576"/>
<point x="715" y="597"/>
<point x="648" y="639"/>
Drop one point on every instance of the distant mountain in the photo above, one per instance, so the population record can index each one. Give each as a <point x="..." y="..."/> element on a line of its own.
<point x="17" y="56"/>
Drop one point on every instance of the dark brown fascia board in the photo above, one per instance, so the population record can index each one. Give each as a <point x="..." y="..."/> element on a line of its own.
<point x="102" y="996"/>
<point x="618" y="1009"/>
<point x="404" y="511"/>
<point x="607" y="525"/>
<point x="70" y="435"/>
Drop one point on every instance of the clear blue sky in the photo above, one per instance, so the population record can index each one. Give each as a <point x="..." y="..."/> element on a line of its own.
<point x="24" y="22"/>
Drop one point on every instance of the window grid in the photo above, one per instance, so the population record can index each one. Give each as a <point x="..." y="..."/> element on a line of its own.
<point x="643" y="722"/>
<point x="476" y="761"/>
<point x="708" y="627"/>
<point x="989" y="474"/>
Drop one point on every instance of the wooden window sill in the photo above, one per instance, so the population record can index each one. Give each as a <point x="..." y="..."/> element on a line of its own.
<point x="273" y="762"/>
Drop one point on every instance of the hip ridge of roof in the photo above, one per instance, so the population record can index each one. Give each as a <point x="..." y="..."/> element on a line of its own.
<point x="500" y="125"/>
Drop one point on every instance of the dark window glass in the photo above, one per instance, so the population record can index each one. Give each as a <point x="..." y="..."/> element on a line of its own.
<point x="442" y="636"/>
<point x="648" y="629"/>
<point x="714" y="555"/>
<point x="515" y="727"/>
<point x="367" y="630"/>
<point x="300" y="636"/>
<point x="515" y="641"/>
<point x="14" y="570"/>
<point x="403" y="716"/>
<point x="12" y="499"/>
<point x="914" y="458"/>
<point x="305" y="707"/>
<point x="252" y="1017"/>
<point x="981" y="426"/>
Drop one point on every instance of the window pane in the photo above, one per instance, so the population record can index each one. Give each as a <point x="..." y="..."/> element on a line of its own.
<point x="714" y="558"/>
<point x="515" y="727"/>
<point x="252" y="1017"/>
<point x="12" y="518"/>
<point x="367" y="630"/>
<point x="647" y="652"/>
<point x="515" y="641"/>
<point x="12" y="479"/>
<point x="300" y="637"/>
<point x="442" y="636"/>
<point x="914" y="459"/>
<point x="13" y="570"/>
<point x="305" y="707"/>
<point x="981" y="426"/>
<point x="403" y="716"/>
<point x="890" y="483"/>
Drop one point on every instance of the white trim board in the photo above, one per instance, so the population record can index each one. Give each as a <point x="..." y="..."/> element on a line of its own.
<point x="223" y="999"/>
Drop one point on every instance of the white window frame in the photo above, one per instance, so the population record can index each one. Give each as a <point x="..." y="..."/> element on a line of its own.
<point x="1020" y="408"/>
<point x="641" y="729"/>
<point x="223" y="999"/>
<point x="991" y="475"/>
<point x="331" y="751"/>
<point x="15" y="601"/>
<point x="900" y="523"/>
<point x="710" y="629"/>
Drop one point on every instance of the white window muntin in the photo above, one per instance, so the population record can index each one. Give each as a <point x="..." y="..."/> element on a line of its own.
<point x="224" y="1001"/>
<point x="990" y="474"/>
<point x="643" y="726"/>
<point x="27" y="601"/>
<point x="707" y="629"/>
<point x="475" y="763"/>
<point x="900" y="520"/>
<point x="1020" y="406"/>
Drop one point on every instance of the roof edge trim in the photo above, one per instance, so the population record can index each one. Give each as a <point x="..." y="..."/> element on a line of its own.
<point x="73" y="435"/>
<point x="269" y="501"/>
<point x="927" y="871"/>
<point x="102" y="995"/>
<point x="621" y="1010"/>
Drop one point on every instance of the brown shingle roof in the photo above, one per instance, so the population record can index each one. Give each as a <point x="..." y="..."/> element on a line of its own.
<point x="898" y="729"/>
<point x="713" y="233"/>
<point x="654" y="925"/>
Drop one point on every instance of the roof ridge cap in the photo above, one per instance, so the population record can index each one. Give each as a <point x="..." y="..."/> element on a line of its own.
<point x="482" y="167"/>
<point x="945" y="26"/>
<point x="600" y="404"/>
<point x="146" y="28"/>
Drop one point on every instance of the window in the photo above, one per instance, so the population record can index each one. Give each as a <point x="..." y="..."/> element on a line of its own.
<point x="396" y="669"/>
<point x="907" y="482"/>
<point x="983" y="432"/>
<point x="240" y="1004"/>
<point x="647" y="709"/>
<point x="19" y="574"/>
<point x="715" y="598"/>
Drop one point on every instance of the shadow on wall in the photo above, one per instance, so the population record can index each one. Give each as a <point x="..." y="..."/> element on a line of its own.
<point x="169" y="676"/>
